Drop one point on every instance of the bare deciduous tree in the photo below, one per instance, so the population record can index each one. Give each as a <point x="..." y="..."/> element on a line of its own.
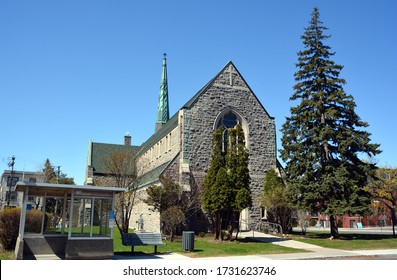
<point x="121" y="169"/>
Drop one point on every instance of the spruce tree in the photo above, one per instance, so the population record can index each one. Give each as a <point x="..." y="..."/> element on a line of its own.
<point x="226" y="189"/>
<point x="238" y="172"/>
<point x="49" y="172"/>
<point x="323" y="137"/>
<point x="210" y="192"/>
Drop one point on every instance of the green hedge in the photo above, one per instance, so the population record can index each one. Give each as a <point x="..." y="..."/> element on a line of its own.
<point x="9" y="225"/>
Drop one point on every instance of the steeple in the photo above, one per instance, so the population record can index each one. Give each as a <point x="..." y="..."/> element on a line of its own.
<point x="163" y="108"/>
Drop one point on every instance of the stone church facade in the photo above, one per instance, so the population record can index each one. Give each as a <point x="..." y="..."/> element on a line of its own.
<point x="180" y="148"/>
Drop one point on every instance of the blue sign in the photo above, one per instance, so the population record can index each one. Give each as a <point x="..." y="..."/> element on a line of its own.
<point x="111" y="219"/>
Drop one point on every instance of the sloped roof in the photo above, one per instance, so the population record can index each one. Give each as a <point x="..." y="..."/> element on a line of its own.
<point x="190" y="103"/>
<point x="99" y="151"/>
<point x="151" y="176"/>
<point x="44" y="189"/>
<point x="161" y="133"/>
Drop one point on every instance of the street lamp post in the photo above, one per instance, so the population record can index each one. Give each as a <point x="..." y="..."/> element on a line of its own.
<point x="10" y="183"/>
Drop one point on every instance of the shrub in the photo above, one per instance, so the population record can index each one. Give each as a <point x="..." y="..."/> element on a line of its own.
<point x="9" y="225"/>
<point x="172" y="217"/>
<point x="33" y="221"/>
<point x="201" y="234"/>
<point x="313" y="222"/>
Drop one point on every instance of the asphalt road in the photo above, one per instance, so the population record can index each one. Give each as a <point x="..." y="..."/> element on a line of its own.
<point x="372" y="230"/>
<point x="385" y="257"/>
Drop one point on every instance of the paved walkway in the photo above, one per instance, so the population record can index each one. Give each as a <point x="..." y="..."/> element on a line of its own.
<point x="313" y="251"/>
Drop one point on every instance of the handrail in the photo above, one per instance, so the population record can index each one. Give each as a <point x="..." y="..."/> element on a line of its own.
<point x="263" y="225"/>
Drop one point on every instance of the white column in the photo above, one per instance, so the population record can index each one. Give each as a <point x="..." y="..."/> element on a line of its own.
<point x="23" y="214"/>
<point x="71" y="214"/>
<point x="92" y="215"/>
<point x="65" y="201"/>
<point x="43" y="212"/>
<point x="113" y="204"/>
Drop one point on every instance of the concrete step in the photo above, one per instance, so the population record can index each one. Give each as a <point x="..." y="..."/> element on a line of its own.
<point x="47" y="257"/>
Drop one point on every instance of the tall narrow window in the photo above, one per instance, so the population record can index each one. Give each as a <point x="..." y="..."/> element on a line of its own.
<point x="228" y="120"/>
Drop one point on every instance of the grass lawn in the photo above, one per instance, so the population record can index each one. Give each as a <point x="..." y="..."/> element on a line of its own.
<point x="7" y="255"/>
<point x="349" y="241"/>
<point x="207" y="247"/>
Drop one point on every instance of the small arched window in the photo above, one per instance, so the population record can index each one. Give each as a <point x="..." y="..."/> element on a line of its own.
<point x="228" y="120"/>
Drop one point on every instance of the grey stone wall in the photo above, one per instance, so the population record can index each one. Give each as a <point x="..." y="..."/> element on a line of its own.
<point x="151" y="219"/>
<point x="163" y="151"/>
<point x="230" y="92"/>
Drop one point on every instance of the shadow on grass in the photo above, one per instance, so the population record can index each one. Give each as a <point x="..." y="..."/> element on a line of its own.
<point x="263" y="239"/>
<point x="346" y="236"/>
<point x="194" y="251"/>
<point x="138" y="255"/>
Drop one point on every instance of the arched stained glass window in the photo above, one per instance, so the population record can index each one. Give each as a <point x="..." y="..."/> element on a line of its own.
<point x="228" y="120"/>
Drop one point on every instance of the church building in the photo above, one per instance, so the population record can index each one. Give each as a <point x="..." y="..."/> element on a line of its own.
<point x="180" y="148"/>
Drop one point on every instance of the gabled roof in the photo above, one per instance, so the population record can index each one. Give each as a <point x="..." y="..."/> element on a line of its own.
<point x="150" y="177"/>
<point x="99" y="151"/>
<point x="190" y="103"/>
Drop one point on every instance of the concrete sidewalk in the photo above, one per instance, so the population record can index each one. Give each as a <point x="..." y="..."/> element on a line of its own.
<point x="314" y="252"/>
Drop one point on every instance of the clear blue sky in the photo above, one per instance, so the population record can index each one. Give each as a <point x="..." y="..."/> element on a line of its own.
<point x="73" y="71"/>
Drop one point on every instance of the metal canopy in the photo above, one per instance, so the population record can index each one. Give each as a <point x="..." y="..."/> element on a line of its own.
<point x="46" y="189"/>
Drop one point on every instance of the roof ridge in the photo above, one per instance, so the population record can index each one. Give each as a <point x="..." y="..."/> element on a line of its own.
<point x="192" y="100"/>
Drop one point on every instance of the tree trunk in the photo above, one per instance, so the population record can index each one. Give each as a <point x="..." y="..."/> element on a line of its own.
<point x="232" y="226"/>
<point x="393" y="216"/>
<point x="217" y="226"/>
<point x="334" y="227"/>
<point x="393" y="219"/>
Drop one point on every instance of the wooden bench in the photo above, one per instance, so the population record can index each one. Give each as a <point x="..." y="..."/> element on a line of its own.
<point x="142" y="239"/>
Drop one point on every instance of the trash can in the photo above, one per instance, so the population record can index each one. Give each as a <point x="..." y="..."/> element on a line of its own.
<point x="188" y="240"/>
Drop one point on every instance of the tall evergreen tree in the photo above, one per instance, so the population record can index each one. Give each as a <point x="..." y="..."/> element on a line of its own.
<point x="324" y="136"/>
<point x="238" y="172"/>
<point x="49" y="172"/>
<point x="50" y="176"/>
<point x="226" y="189"/>
<point x="209" y="184"/>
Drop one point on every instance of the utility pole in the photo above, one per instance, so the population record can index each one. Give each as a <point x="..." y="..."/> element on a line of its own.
<point x="11" y="181"/>
<point x="58" y="173"/>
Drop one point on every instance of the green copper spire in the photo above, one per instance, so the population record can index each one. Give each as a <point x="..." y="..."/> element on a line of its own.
<point x="163" y="108"/>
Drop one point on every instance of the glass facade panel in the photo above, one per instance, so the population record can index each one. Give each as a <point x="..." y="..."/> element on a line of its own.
<point x="101" y="217"/>
<point x="90" y="217"/>
<point x="53" y="215"/>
